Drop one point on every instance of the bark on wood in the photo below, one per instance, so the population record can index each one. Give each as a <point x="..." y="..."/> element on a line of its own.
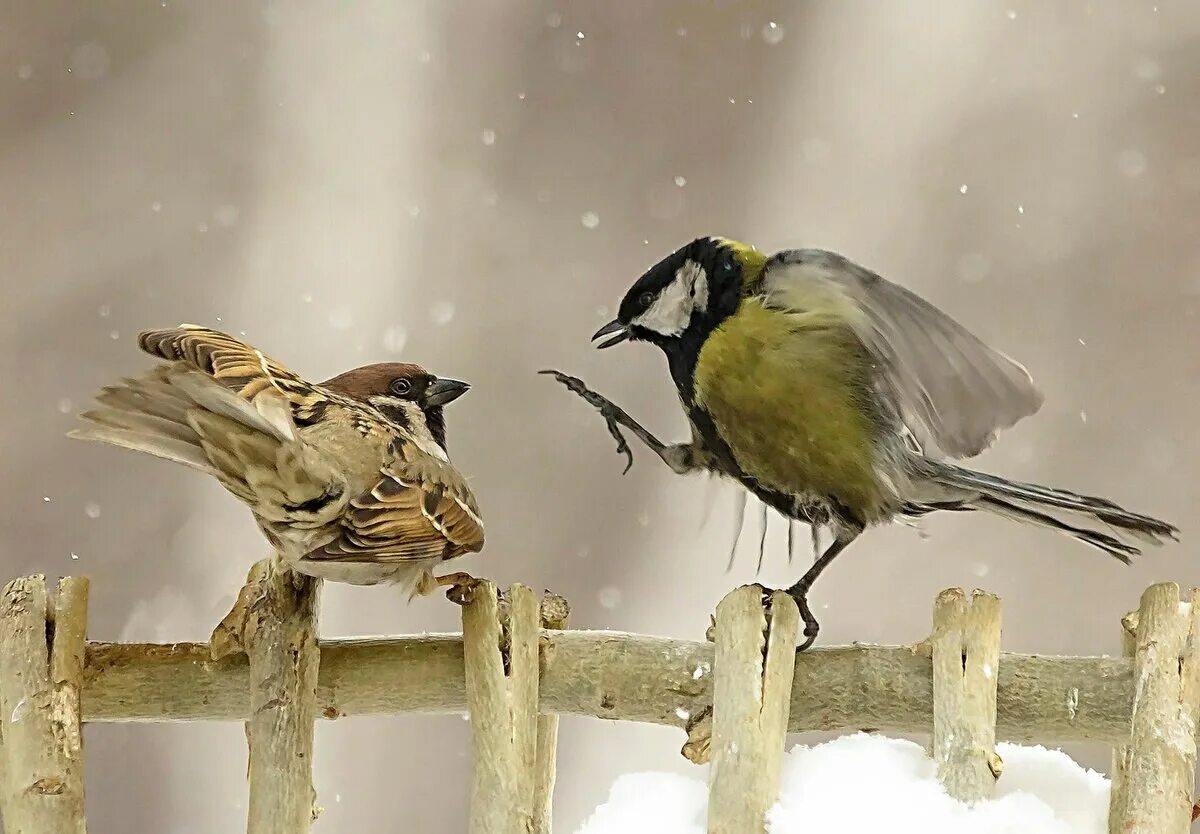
<point x="1116" y="799"/>
<point x="41" y="668"/>
<point x="283" y="660"/>
<point x="628" y="677"/>
<point x="503" y="708"/>
<point x="753" y="670"/>
<point x="554" y="614"/>
<point x="1161" y="758"/>
<point x="966" y="657"/>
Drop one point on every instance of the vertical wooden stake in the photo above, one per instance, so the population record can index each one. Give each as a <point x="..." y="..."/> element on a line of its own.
<point x="280" y="637"/>
<point x="40" y="683"/>
<point x="503" y="708"/>
<point x="554" y="615"/>
<point x="966" y="654"/>
<point x="1160" y="763"/>
<point x="1120" y="758"/>
<point x="752" y="687"/>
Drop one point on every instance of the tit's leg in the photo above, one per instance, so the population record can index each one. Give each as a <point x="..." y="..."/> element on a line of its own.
<point x="799" y="591"/>
<point x="677" y="456"/>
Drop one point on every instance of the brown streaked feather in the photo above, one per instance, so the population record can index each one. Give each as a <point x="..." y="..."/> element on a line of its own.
<point x="240" y="367"/>
<point x="421" y="508"/>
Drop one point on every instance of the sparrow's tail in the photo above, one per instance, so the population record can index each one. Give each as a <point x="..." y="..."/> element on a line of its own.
<point x="249" y="446"/>
<point x="147" y="414"/>
<point x="1034" y="504"/>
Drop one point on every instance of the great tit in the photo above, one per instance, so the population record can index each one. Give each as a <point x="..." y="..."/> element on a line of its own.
<point x="839" y="398"/>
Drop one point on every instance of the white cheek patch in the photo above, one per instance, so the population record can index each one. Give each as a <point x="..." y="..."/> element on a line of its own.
<point x="671" y="312"/>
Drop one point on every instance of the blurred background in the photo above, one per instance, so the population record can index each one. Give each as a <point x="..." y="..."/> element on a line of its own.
<point x="472" y="186"/>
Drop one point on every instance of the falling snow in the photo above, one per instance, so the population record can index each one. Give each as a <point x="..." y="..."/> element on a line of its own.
<point x="395" y="338"/>
<point x="772" y="33"/>
<point x="341" y="318"/>
<point x="590" y="219"/>
<point x="91" y="509"/>
<point x="442" y="312"/>
<point x="609" y="597"/>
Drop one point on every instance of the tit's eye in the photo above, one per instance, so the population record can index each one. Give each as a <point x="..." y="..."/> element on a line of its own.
<point x="646" y="299"/>
<point x="400" y="387"/>
<point x="730" y="263"/>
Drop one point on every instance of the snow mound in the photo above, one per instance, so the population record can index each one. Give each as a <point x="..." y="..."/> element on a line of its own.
<point x="866" y="784"/>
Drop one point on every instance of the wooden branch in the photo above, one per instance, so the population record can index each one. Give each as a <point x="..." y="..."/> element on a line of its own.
<point x="280" y="639"/>
<point x="1161" y="758"/>
<point x="554" y="615"/>
<point x="1120" y="756"/>
<point x="613" y="675"/>
<point x="41" y="666"/>
<point x="503" y="708"/>
<point x="752" y="684"/>
<point x="966" y="660"/>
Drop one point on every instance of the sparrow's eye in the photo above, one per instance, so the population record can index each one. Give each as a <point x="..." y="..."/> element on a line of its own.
<point x="400" y="387"/>
<point x="646" y="299"/>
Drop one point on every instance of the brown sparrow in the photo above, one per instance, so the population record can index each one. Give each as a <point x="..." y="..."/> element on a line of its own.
<point x="349" y="479"/>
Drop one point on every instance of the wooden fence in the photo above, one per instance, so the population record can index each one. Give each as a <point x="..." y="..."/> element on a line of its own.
<point x="515" y="669"/>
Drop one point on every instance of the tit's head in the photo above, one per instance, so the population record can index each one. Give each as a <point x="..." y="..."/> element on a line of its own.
<point x="402" y="392"/>
<point x="690" y="291"/>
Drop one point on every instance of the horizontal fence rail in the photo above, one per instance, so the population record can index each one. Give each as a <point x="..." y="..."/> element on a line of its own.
<point x="614" y="675"/>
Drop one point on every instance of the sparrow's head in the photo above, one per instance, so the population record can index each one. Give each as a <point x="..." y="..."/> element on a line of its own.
<point x="404" y="393"/>
<point x="689" y="292"/>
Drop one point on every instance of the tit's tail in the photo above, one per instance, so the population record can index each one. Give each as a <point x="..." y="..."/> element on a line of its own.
<point x="1034" y="504"/>
<point x="248" y="445"/>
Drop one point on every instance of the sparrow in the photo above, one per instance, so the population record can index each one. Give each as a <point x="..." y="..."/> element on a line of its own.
<point x="839" y="398"/>
<point x="349" y="479"/>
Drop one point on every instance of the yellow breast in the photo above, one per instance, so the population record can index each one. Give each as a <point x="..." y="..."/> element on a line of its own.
<point x="790" y="395"/>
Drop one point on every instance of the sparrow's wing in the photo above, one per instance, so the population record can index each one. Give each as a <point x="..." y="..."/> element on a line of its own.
<point x="241" y="368"/>
<point x="421" y="508"/>
<point x="953" y="391"/>
<point x="224" y="408"/>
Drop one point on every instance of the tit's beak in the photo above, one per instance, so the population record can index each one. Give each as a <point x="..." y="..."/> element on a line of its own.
<point x="442" y="391"/>
<point x="613" y="327"/>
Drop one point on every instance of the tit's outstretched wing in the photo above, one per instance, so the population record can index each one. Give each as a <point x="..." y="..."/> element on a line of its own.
<point x="953" y="392"/>
<point x="420" y="509"/>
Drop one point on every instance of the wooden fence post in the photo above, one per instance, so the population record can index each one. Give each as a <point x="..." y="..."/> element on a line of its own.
<point x="280" y="637"/>
<point x="1155" y="795"/>
<point x="41" y="673"/>
<point x="503" y="708"/>
<point x="966" y="656"/>
<point x="554" y="615"/>
<point x="1120" y="757"/>
<point x="753" y="668"/>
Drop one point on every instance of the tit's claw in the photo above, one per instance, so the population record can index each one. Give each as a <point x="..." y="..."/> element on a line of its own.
<point x="811" y="626"/>
<point x="608" y="410"/>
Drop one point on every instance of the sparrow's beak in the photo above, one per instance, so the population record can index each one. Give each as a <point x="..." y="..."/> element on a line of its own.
<point x="613" y="327"/>
<point x="442" y="391"/>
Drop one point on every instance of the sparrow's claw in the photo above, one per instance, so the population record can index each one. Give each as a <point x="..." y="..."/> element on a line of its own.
<point x="461" y="590"/>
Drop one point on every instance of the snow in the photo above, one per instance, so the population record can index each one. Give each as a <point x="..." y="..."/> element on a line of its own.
<point x="868" y="784"/>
